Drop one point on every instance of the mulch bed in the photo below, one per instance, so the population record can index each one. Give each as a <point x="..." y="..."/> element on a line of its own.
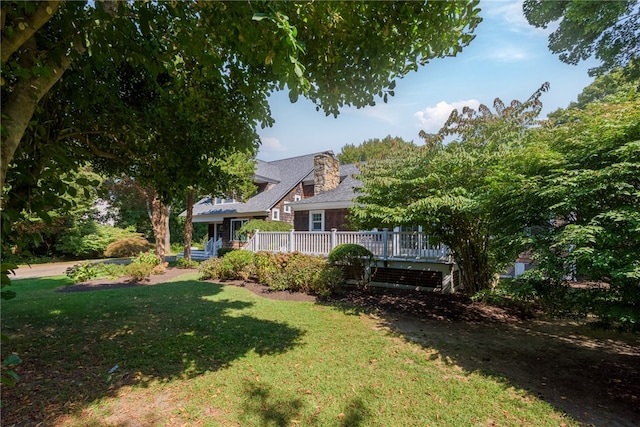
<point x="425" y="305"/>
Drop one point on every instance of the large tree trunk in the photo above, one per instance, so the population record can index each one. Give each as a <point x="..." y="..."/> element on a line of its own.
<point x="159" y="223"/>
<point x="22" y="103"/>
<point x="188" y="225"/>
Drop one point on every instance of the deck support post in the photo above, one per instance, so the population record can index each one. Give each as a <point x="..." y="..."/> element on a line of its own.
<point x="292" y="243"/>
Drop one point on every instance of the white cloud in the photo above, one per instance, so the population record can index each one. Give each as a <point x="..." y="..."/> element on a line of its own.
<point x="512" y="16"/>
<point x="508" y="54"/>
<point x="271" y="144"/>
<point x="431" y="119"/>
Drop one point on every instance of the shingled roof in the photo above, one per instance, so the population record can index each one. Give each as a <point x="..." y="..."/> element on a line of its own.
<point x="285" y="174"/>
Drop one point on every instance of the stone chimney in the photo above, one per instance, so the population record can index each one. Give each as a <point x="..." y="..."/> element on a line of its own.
<point x="326" y="172"/>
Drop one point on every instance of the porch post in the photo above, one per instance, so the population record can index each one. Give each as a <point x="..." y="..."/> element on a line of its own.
<point x="256" y="241"/>
<point x="292" y="243"/>
<point x="334" y="239"/>
<point x="385" y="243"/>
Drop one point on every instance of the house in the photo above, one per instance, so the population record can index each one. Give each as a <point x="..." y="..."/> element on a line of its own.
<point x="315" y="184"/>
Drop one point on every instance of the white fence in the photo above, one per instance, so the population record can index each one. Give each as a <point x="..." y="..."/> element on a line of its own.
<point x="384" y="244"/>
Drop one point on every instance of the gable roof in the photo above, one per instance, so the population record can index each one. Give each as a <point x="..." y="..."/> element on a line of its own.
<point x="341" y="196"/>
<point x="284" y="174"/>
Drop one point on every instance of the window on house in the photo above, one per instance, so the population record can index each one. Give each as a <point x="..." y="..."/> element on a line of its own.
<point x="297" y="197"/>
<point x="287" y="208"/>
<point x="222" y="201"/>
<point x="316" y="221"/>
<point x="235" y="226"/>
<point x="275" y="214"/>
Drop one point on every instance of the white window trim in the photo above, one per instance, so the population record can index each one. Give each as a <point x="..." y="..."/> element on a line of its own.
<point x="287" y="208"/>
<point x="231" y="233"/>
<point x="275" y="214"/>
<point x="311" y="213"/>
<point x="297" y="197"/>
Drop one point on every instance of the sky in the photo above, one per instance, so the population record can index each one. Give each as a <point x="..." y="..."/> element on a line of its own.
<point x="509" y="59"/>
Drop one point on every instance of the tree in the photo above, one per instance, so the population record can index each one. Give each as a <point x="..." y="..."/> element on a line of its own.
<point x="588" y="183"/>
<point x="334" y="53"/>
<point x="610" y="30"/>
<point x="373" y="149"/>
<point x="457" y="192"/>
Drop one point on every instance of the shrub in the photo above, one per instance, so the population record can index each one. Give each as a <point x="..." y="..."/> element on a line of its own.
<point x="111" y="270"/>
<point x="235" y="265"/>
<point x="210" y="269"/>
<point x="223" y="251"/>
<point x="303" y="273"/>
<point x="355" y="260"/>
<point x="148" y="257"/>
<point x="127" y="247"/>
<point x="82" y="272"/>
<point x="251" y="226"/>
<point x="87" y="239"/>
<point x="187" y="263"/>
<point x="139" y="271"/>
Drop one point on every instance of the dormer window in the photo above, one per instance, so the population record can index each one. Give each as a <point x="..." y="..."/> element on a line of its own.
<point x="221" y="201"/>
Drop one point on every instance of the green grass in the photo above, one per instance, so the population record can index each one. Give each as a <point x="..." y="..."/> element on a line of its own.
<point x="197" y="353"/>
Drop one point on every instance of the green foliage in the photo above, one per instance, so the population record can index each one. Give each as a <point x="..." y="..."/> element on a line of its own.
<point x="373" y="149"/>
<point x="235" y="265"/>
<point x="458" y="192"/>
<point x="305" y="273"/>
<point x="6" y="268"/>
<point x="251" y="226"/>
<point x="139" y="271"/>
<point x="589" y="184"/>
<point x="148" y="257"/>
<point x="610" y="30"/>
<point x="294" y="272"/>
<point x="187" y="263"/>
<point x="88" y="239"/>
<point x="9" y="376"/>
<point x="223" y="251"/>
<point x="127" y="247"/>
<point x="355" y="261"/>
<point x="83" y="271"/>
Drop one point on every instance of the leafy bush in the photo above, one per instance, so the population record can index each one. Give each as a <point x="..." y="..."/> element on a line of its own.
<point x="187" y="263"/>
<point x="223" y="251"/>
<point x="355" y="260"/>
<point x="210" y="269"/>
<point x="87" y="239"/>
<point x="139" y="271"/>
<point x="235" y="265"/>
<point x="294" y="272"/>
<point x="148" y="257"/>
<point x="82" y="272"/>
<point x="111" y="270"/>
<point x="305" y="273"/>
<point x="127" y="247"/>
<point x="251" y="226"/>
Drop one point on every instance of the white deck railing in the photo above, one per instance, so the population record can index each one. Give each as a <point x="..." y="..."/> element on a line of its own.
<point x="212" y="246"/>
<point x="383" y="244"/>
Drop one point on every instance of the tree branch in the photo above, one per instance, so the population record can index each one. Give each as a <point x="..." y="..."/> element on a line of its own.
<point x="27" y="28"/>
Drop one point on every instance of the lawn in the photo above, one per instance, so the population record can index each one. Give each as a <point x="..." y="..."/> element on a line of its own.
<point x="196" y="353"/>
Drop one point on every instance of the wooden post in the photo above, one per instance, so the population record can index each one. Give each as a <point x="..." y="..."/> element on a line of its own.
<point x="385" y="243"/>
<point x="292" y="243"/>
<point x="333" y="239"/>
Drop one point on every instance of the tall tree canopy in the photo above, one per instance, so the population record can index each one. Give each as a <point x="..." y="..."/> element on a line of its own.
<point x="334" y="53"/>
<point x="610" y="30"/>
<point x="373" y="149"/>
<point x="457" y="191"/>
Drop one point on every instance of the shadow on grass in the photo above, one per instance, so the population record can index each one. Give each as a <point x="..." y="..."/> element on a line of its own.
<point x="80" y="347"/>
<point x="266" y="408"/>
<point x="594" y="376"/>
